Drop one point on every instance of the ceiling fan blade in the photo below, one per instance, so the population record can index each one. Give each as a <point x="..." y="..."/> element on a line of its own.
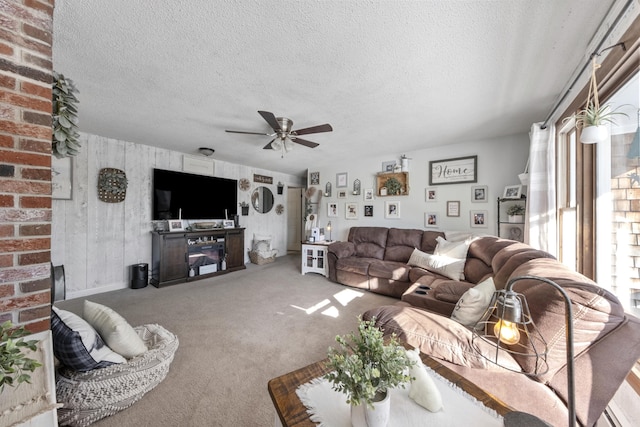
<point x="248" y="133"/>
<point x="314" y="129"/>
<point x="301" y="141"/>
<point x="269" y="146"/>
<point x="271" y="119"/>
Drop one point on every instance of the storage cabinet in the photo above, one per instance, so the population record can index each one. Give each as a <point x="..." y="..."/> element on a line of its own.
<point x="510" y="228"/>
<point x="314" y="258"/>
<point x="182" y="256"/>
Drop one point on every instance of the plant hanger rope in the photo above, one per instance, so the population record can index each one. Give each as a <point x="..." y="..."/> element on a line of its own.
<point x="593" y="85"/>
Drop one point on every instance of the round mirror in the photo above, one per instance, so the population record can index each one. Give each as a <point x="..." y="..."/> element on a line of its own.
<point x="262" y="199"/>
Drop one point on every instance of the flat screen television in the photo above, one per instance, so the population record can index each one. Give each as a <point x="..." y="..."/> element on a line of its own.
<point x="193" y="196"/>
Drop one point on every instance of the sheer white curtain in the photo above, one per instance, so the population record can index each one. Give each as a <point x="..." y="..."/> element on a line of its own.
<point x="541" y="224"/>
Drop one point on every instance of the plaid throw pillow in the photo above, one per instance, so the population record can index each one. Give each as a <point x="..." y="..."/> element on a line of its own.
<point x="77" y="345"/>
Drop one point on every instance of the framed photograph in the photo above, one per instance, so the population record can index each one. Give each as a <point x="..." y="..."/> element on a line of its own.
<point x="453" y="208"/>
<point x="368" y="210"/>
<point x="453" y="171"/>
<point x="479" y="194"/>
<point x="478" y="219"/>
<point x="342" y="194"/>
<point x="341" y="180"/>
<point x="351" y="211"/>
<point x="512" y="192"/>
<point x="314" y="178"/>
<point x="332" y="209"/>
<point x="388" y="166"/>
<point x="61" y="178"/>
<point x="176" y="225"/>
<point x="228" y="223"/>
<point x="431" y="194"/>
<point x="392" y="210"/>
<point x="368" y="194"/>
<point x="431" y="220"/>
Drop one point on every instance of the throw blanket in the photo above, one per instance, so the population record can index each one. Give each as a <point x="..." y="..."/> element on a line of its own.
<point x="328" y="408"/>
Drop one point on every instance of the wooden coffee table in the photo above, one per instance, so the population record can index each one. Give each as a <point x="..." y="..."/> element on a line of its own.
<point x="292" y="413"/>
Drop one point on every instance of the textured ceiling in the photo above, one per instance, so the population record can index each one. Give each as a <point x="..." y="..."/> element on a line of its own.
<point x="390" y="76"/>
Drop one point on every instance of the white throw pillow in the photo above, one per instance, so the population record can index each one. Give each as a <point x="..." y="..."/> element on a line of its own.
<point x="473" y="303"/>
<point x="261" y="243"/>
<point x="114" y="330"/>
<point x="452" y="268"/>
<point x="423" y="390"/>
<point x="452" y="249"/>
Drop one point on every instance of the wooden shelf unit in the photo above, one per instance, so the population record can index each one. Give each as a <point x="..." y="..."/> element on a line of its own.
<point x="402" y="177"/>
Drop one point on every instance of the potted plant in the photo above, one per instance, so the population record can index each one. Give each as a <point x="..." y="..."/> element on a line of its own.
<point x="65" y="117"/>
<point x="593" y="121"/>
<point x="516" y="213"/>
<point x="244" y="206"/>
<point x="14" y="365"/>
<point x="365" y="367"/>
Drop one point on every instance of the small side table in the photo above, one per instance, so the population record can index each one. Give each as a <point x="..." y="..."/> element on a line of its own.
<point x="314" y="258"/>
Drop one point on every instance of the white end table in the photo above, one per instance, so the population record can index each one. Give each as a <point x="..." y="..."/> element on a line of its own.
<point x="314" y="257"/>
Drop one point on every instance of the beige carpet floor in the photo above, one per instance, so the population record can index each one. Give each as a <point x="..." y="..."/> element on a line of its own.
<point x="236" y="332"/>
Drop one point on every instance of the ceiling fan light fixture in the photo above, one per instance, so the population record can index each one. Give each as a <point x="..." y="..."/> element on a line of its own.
<point x="288" y="145"/>
<point x="277" y="144"/>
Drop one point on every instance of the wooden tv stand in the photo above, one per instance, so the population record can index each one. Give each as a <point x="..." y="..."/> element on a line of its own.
<point x="183" y="256"/>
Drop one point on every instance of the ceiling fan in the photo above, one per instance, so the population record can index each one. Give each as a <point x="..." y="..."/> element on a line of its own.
<point x="284" y="136"/>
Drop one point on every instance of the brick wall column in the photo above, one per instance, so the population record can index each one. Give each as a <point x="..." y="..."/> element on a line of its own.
<point x="25" y="161"/>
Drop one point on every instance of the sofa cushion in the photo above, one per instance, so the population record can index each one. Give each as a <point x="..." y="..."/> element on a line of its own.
<point x="114" y="330"/>
<point x="400" y="244"/>
<point x="390" y="270"/>
<point x="436" y="336"/>
<point x="77" y="345"/>
<point x="429" y="241"/>
<point x="452" y="268"/>
<point x="473" y="303"/>
<point x="355" y="265"/>
<point x="511" y="257"/>
<point x="369" y="242"/>
<point x="449" y="290"/>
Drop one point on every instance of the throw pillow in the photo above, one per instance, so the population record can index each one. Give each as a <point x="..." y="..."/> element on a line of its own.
<point x="452" y="268"/>
<point x="77" y="345"/>
<point x="261" y="243"/>
<point x="423" y="389"/>
<point x="114" y="330"/>
<point x="452" y="249"/>
<point x="473" y="303"/>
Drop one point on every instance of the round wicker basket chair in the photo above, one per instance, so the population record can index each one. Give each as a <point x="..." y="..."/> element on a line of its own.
<point x="90" y="396"/>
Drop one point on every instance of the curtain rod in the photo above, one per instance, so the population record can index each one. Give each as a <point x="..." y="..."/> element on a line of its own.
<point x="595" y="53"/>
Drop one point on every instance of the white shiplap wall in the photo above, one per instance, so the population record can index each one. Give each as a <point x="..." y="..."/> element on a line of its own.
<point x="97" y="242"/>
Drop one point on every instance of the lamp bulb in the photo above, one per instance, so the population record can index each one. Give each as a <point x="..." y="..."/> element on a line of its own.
<point x="507" y="332"/>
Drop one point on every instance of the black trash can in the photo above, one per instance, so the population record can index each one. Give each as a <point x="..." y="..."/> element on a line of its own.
<point x="139" y="276"/>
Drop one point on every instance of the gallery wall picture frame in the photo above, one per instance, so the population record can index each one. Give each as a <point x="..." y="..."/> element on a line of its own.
<point x="351" y="211"/>
<point x="388" y="166"/>
<point x="368" y="194"/>
<point x="431" y="219"/>
<point x="453" y="171"/>
<point x="392" y="210"/>
<point x="453" y="208"/>
<point x="314" y="178"/>
<point x="431" y="194"/>
<point x="332" y="210"/>
<point x="61" y="178"/>
<point x="228" y="223"/>
<point x="479" y="194"/>
<point x="176" y="225"/>
<point x="368" y="210"/>
<point x="342" y="194"/>
<point x="478" y="219"/>
<point x="512" y="192"/>
<point x="341" y="179"/>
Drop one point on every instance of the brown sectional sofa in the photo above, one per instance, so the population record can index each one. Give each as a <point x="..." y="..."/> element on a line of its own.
<point x="606" y="341"/>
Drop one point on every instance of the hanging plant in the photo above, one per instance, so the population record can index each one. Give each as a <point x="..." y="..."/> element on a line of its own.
<point x="593" y="120"/>
<point x="65" y="117"/>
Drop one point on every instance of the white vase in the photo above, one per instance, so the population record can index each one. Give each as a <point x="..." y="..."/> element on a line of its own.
<point x="593" y="134"/>
<point x="364" y="416"/>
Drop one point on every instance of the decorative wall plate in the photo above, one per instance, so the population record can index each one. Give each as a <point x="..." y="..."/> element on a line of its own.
<point x="244" y="184"/>
<point x="112" y="185"/>
<point x="279" y="209"/>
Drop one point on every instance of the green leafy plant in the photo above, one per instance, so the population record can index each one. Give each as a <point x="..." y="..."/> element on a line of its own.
<point x="516" y="210"/>
<point x="365" y="366"/>
<point x="65" y="117"/>
<point x="596" y="115"/>
<point x="393" y="186"/>
<point x="13" y="362"/>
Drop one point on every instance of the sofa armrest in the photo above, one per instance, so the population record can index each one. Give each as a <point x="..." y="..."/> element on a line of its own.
<point x="342" y="249"/>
